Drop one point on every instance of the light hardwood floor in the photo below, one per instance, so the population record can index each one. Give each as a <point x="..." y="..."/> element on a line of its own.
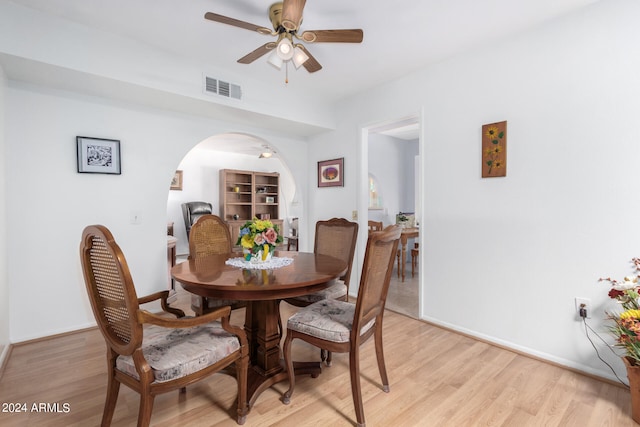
<point x="403" y="297"/>
<point x="438" y="378"/>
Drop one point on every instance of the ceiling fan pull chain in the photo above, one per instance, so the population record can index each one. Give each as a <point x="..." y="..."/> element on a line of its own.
<point x="286" y="72"/>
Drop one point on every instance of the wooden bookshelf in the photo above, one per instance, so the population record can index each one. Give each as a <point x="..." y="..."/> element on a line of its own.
<point x="248" y="194"/>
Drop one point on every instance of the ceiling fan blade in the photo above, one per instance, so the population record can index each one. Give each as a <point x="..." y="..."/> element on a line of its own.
<point x="262" y="50"/>
<point x="333" y="36"/>
<point x="236" y="23"/>
<point x="292" y="14"/>
<point x="311" y="64"/>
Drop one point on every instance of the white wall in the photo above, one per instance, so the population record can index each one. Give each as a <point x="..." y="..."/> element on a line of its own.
<point x="49" y="203"/>
<point x="504" y="258"/>
<point x="4" y="282"/>
<point x="201" y="182"/>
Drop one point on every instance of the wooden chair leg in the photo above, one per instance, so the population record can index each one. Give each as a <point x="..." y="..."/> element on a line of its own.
<point x="286" y="349"/>
<point x="325" y="356"/>
<point x="241" y="370"/>
<point x="413" y="265"/>
<point x="399" y="255"/>
<point x="280" y="324"/>
<point x="113" y="388"/>
<point x="203" y="306"/>
<point x="356" y="389"/>
<point x="380" y="357"/>
<point x="146" y="406"/>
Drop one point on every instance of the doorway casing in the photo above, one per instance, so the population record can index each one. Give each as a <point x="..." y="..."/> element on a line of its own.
<point x="362" y="192"/>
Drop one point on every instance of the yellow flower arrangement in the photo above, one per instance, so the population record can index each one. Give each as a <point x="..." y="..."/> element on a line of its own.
<point x="259" y="235"/>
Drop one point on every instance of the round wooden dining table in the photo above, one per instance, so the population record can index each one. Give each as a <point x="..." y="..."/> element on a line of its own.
<point x="263" y="290"/>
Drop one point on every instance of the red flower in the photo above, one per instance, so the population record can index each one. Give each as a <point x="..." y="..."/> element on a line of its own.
<point x="614" y="293"/>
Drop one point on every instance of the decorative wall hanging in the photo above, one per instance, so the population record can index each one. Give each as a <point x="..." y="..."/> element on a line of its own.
<point x="494" y="150"/>
<point x="331" y="173"/>
<point x="97" y="155"/>
<point x="176" y="181"/>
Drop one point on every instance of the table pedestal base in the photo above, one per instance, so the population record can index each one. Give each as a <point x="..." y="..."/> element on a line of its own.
<point x="257" y="383"/>
<point x="264" y="335"/>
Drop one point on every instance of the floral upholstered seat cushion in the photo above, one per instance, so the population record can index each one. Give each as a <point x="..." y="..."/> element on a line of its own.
<point x="175" y="353"/>
<point x="336" y="291"/>
<point x="330" y="320"/>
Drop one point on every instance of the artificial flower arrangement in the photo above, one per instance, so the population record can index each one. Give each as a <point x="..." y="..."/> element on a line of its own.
<point x="626" y="325"/>
<point x="259" y="238"/>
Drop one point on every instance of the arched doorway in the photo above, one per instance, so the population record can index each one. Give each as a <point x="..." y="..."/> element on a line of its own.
<point x="200" y="178"/>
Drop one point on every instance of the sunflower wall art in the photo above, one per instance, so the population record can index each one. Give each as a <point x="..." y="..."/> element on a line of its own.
<point x="494" y="150"/>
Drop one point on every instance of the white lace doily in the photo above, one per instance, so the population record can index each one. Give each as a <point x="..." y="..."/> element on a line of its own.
<point x="274" y="262"/>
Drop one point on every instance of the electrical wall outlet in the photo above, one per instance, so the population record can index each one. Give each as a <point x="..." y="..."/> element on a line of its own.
<point x="586" y="302"/>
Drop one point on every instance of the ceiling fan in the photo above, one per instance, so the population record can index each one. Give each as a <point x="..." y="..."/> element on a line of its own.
<point x="286" y="17"/>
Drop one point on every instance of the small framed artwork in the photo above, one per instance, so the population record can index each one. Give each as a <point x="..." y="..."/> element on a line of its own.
<point x="270" y="199"/>
<point x="494" y="150"/>
<point x="331" y="173"/>
<point x="176" y="181"/>
<point x="97" y="155"/>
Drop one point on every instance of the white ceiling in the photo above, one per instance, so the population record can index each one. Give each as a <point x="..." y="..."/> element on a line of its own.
<point x="399" y="37"/>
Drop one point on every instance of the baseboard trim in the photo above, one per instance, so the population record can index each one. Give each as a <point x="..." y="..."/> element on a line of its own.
<point x="4" y="358"/>
<point x="568" y="365"/>
<point x="49" y="337"/>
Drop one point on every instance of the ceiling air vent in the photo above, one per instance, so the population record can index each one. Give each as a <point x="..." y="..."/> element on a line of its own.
<point x="218" y="87"/>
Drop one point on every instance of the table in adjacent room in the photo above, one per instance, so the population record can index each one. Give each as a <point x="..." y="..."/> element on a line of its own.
<point x="407" y="233"/>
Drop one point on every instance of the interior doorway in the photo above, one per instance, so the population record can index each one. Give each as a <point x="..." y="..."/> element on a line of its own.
<point x="391" y="191"/>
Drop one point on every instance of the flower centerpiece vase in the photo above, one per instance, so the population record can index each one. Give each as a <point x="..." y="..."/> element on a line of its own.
<point x="259" y="239"/>
<point x="259" y="257"/>
<point x="633" y="374"/>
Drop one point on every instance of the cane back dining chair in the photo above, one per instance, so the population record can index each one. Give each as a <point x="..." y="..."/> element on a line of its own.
<point x="341" y="326"/>
<point x="336" y="237"/>
<point x="374" y="226"/>
<point x="210" y="235"/>
<point x="152" y="353"/>
<point x="378" y="226"/>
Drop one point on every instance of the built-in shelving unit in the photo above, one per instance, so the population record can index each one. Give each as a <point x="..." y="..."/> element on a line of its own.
<point x="248" y="194"/>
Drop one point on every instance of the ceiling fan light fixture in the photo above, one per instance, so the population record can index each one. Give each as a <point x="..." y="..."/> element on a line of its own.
<point x="267" y="152"/>
<point x="299" y="57"/>
<point x="285" y="49"/>
<point x="275" y="60"/>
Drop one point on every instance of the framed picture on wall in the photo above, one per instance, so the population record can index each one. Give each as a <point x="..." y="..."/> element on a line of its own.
<point x="97" y="155"/>
<point x="331" y="173"/>
<point x="494" y="150"/>
<point x="176" y="181"/>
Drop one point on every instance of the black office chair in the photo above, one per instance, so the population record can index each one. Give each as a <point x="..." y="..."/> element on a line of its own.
<point x="194" y="210"/>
